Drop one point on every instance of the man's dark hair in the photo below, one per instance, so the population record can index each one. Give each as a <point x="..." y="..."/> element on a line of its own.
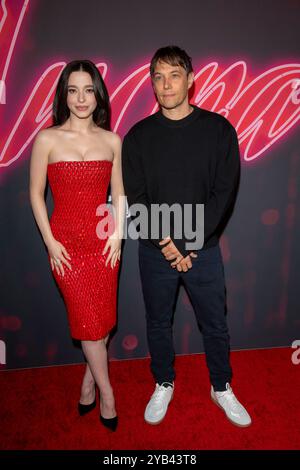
<point x="172" y="55"/>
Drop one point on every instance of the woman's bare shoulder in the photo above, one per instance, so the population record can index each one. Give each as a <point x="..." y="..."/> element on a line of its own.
<point x="47" y="135"/>
<point x="111" y="137"/>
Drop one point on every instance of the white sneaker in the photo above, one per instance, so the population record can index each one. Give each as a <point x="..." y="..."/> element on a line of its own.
<point x="235" y="412"/>
<point x="157" y="407"/>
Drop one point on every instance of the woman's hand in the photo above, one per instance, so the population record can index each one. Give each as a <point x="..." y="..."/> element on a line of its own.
<point x="114" y="245"/>
<point x="58" y="257"/>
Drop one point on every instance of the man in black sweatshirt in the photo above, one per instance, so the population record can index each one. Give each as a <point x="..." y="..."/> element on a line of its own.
<point x="186" y="159"/>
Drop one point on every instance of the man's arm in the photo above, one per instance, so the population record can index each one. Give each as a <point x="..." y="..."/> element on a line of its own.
<point x="134" y="180"/>
<point x="224" y="189"/>
<point x="135" y="190"/>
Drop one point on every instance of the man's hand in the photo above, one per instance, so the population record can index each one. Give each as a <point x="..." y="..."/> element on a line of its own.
<point x="185" y="264"/>
<point x="171" y="253"/>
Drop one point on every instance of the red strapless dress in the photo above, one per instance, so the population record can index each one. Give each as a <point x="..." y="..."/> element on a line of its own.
<point x="90" y="288"/>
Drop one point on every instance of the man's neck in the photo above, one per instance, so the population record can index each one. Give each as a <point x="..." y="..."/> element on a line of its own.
<point x="177" y="113"/>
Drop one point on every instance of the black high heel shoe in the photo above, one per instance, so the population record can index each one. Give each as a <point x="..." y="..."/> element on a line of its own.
<point x="110" y="423"/>
<point x="84" y="409"/>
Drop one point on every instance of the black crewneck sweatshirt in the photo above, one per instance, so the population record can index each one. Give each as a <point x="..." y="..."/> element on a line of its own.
<point x="194" y="160"/>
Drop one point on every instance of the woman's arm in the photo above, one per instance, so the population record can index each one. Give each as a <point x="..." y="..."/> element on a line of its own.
<point x="38" y="178"/>
<point x="117" y="188"/>
<point x="118" y="202"/>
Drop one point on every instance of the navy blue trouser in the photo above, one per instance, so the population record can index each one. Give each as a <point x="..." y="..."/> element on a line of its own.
<point x="206" y="288"/>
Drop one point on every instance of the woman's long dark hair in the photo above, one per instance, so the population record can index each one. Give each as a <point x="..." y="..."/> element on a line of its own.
<point x="61" y="112"/>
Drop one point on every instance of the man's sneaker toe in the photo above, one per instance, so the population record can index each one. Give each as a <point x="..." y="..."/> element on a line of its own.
<point x="233" y="409"/>
<point x="158" y="405"/>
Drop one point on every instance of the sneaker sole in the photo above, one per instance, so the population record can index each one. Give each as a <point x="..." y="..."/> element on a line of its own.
<point x="154" y="423"/>
<point x="232" y="422"/>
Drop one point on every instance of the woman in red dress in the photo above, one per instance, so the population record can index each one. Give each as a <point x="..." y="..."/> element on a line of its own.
<point x="81" y="158"/>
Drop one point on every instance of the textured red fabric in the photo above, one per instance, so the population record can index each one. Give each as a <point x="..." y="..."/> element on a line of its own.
<point x="89" y="289"/>
<point x="39" y="407"/>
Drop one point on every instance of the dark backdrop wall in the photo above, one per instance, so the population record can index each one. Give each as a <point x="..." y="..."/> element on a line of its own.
<point x="246" y="60"/>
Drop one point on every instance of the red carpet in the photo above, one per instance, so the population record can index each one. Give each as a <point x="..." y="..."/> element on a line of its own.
<point x="38" y="407"/>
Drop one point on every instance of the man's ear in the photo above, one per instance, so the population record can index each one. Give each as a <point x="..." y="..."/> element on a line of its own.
<point x="190" y="79"/>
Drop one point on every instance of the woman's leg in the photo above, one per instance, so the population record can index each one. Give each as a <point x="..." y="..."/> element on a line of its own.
<point x="88" y="387"/>
<point x="96" y="356"/>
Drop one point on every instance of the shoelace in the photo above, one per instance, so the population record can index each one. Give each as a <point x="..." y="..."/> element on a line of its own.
<point x="159" y="393"/>
<point x="229" y="396"/>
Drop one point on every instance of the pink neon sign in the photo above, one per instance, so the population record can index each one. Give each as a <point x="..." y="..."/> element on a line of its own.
<point x="262" y="109"/>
